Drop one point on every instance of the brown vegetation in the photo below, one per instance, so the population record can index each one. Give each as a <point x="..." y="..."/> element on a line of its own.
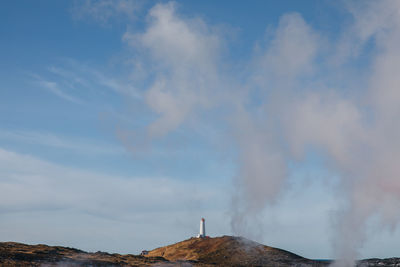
<point x="230" y="251"/>
<point x="17" y="254"/>
<point x="204" y="252"/>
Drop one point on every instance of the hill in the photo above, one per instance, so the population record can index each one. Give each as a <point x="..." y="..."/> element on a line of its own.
<point x="17" y="254"/>
<point x="204" y="252"/>
<point x="231" y="251"/>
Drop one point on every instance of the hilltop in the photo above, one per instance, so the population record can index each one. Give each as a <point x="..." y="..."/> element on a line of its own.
<point x="230" y="251"/>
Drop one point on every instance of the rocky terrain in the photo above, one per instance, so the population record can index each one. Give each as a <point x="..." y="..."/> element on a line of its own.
<point x="218" y="251"/>
<point x="231" y="251"/>
<point x="17" y="254"/>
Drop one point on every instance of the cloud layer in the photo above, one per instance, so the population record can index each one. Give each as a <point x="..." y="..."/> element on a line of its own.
<point x="107" y="209"/>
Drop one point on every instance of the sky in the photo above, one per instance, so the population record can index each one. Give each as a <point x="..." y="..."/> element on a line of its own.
<point x="122" y="123"/>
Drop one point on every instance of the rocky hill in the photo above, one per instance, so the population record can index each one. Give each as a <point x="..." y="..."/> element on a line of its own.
<point x="204" y="252"/>
<point x="231" y="251"/>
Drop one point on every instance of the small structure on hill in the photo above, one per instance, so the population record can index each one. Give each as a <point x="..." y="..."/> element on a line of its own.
<point x="202" y="233"/>
<point x="144" y="253"/>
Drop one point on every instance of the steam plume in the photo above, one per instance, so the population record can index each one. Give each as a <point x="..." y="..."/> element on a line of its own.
<point x="286" y="99"/>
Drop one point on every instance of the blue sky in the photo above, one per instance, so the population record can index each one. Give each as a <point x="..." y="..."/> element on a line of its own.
<point x="123" y="123"/>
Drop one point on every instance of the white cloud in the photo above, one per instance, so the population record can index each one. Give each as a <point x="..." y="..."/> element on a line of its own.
<point x="373" y="18"/>
<point x="184" y="55"/>
<point x="290" y="53"/>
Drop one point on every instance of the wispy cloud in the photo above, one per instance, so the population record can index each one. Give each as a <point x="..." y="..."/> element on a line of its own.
<point x="69" y="74"/>
<point x="82" y="84"/>
<point x="85" y="77"/>
<point x="103" y="11"/>
<point x="54" y="88"/>
<point x="77" y="145"/>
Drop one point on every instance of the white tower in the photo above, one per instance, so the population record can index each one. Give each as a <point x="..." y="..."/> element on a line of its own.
<point x="202" y="233"/>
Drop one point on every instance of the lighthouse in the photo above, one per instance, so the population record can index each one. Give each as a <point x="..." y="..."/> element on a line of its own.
<point x="202" y="233"/>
